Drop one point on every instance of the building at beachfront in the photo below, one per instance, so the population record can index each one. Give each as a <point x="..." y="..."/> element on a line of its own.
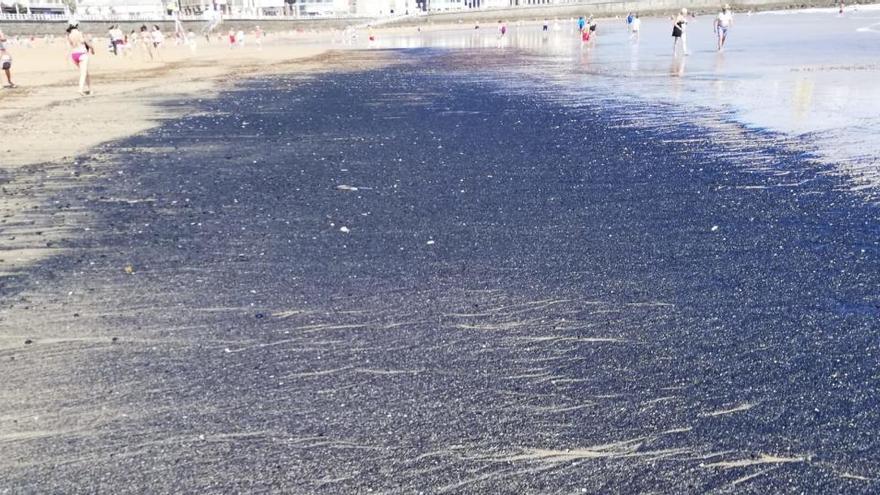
<point x="453" y="5"/>
<point x="33" y="7"/>
<point x="235" y="7"/>
<point x="147" y="8"/>
<point x="382" y="8"/>
<point x="120" y="7"/>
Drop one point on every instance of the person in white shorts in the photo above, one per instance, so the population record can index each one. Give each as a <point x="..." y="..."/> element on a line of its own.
<point x="635" y="26"/>
<point x="722" y="23"/>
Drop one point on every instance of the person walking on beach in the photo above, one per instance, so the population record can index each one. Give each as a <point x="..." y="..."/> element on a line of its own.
<point x="635" y="27"/>
<point x="110" y="37"/>
<point x="629" y="21"/>
<point x="146" y="41"/>
<point x="157" y="38"/>
<point x="258" y="37"/>
<point x="722" y="23"/>
<point x="6" y="61"/>
<point x="80" y="51"/>
<point x="502" y="28"/>
<point x="679" y="26"/>
<point x="212" y="18"/>
<point x="581" y="23"/>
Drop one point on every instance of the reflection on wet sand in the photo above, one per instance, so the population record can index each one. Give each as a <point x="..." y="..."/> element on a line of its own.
<point x="766" y="56"/>
<point x="803" y="98"/>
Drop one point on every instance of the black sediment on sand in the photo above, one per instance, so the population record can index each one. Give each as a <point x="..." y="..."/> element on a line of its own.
<point x="507" y="295"/>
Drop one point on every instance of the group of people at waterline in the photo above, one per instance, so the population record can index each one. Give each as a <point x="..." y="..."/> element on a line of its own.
<point x="720" y="26"/>
<point x="147" y="40"/>
<point x="588" y="27"/>
<point x="150" y="39"/>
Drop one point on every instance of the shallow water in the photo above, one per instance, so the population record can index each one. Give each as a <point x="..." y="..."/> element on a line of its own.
<point x="810" y="75"/>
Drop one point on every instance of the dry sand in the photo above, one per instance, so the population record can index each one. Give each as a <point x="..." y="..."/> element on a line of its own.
<point x="45" y="123"/>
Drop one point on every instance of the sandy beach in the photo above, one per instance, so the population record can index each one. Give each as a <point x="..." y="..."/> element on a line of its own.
<point x="451" y="263"/>
<point x="45" y="123"/>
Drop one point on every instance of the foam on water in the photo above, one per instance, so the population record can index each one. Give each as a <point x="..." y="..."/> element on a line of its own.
<point x="811" y="77"/>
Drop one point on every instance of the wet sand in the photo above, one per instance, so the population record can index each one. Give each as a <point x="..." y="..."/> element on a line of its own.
<point x="428" y="277"/>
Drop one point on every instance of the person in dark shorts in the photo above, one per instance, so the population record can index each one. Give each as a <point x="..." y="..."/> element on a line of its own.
<point x="6" y="61"/>
<point x="679" y="27"/>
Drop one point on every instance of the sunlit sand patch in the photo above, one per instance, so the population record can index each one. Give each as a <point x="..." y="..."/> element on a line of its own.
<point x="370" y="371"/>
<point x="651" y="304"/>
<point x="312" y="442"/>
<point x="659" y="400"/>
<point x="563" y="338"/>
<point x="756" y="461"/>
<point x="325" y="327"/>
<point x="527" y="376"/>
<point x="224" y="309"/>
<point x="313" y="374"/>
<point x="16" y="259"/>
<point x="732" y="410"/>
<point x="513" y="309"/>
<point x="563" y="381"/>
<point x="671" y="431"/>
<point x="752" y="476"/>
<point x="390" y="326"/>
<point x="21" y="436"/>
<point x="851" y="476"/>
<point x="558" y="409"/>
<point x="289" y="313"/>
<point x="128" y="201"/>
<point x="625" y="449"/>
<point x="507" y="325"/>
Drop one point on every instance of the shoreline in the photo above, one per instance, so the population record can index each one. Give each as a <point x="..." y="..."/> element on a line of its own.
<point x="610" y="10"/>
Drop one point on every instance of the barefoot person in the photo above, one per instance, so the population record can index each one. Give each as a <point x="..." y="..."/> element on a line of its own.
<point x="146" y="42"/>
<point x="679" y="27"/>
<point x="635" y="27"/>
<point x="158" y="39"/>
<point x="6" y="61"/>
<point x="722" y="24"/>
<point x="80" y="51"/>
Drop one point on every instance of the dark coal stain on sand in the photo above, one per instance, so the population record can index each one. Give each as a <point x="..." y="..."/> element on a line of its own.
<point x="404" y="281"/>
